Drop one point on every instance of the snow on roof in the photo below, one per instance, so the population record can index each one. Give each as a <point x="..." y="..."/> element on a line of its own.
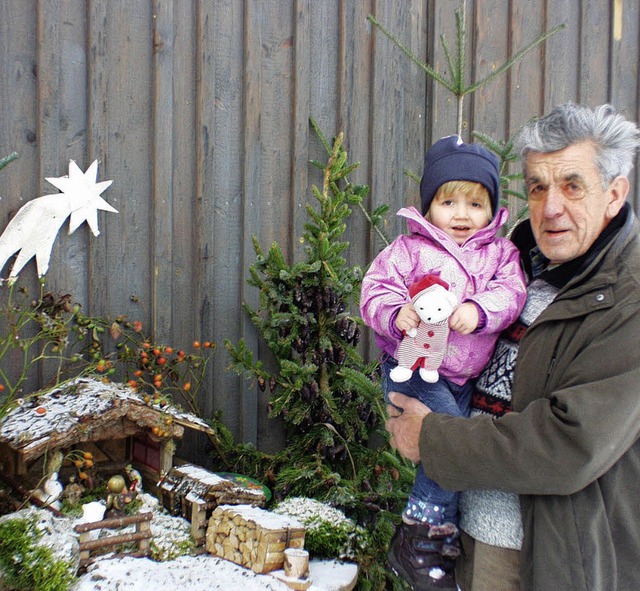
<point x="198" y="473"/>
<point x="196" y="483"/>
<point x="71" y="409"/>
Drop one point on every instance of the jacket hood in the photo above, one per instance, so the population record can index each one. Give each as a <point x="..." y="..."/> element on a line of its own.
<point x="417" y="224"/>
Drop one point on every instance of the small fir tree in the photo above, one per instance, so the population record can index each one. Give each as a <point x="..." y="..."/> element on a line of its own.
<point x="329" y="399"/>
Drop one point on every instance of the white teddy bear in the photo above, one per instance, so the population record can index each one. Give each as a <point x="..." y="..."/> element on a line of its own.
<point x="424" y="347"/>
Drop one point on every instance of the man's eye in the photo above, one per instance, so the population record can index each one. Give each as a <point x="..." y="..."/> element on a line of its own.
<point x="535" y="190"/>
<point x="572" y="189"/>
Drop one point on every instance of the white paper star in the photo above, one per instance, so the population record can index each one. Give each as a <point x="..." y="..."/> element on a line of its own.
<point x="84" y="195"/>
<point x="33" y="230"/>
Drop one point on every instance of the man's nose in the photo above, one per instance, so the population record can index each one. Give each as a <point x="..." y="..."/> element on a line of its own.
<point x="553" y="202"/>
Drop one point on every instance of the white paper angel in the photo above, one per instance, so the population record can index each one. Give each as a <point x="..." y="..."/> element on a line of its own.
<point x="34" y="228"/>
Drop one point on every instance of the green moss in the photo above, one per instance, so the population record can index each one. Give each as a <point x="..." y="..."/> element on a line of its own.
<point x="26" y="566"/>
<point x="164" y="552"/>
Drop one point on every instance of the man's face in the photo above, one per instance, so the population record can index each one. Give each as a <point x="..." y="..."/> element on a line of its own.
<point x="568" y="205"/>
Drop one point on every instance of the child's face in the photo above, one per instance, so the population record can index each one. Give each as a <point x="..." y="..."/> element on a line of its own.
<point x="459" y="214"/>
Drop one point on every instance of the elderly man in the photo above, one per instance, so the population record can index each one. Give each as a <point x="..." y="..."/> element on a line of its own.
<point x="570" y="447"/>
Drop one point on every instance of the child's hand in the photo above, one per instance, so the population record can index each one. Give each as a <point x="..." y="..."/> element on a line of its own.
<point x="465" y="318"/>
<point x="407" y="318"/>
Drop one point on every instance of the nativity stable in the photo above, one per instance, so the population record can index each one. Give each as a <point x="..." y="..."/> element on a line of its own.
<point x="109" y="421"/>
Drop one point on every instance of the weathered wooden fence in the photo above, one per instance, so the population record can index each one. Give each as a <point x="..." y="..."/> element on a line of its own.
<point x="199" y="112"/>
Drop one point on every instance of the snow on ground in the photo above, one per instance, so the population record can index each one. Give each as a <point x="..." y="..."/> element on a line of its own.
<point x="171" y="537"/>
<point x="195" y="573"/>
<point x="199" y="573"/>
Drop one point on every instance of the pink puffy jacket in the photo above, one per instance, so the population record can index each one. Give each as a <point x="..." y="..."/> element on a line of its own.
<point x="484" y="270"/>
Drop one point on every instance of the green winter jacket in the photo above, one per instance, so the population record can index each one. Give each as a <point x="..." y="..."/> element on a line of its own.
<point x="571" y="447"/>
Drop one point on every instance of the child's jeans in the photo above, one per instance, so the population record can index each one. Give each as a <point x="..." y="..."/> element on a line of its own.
<point x="429" y="502"/>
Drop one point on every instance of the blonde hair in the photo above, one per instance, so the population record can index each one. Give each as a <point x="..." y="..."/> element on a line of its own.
<point x="466" y="188"/>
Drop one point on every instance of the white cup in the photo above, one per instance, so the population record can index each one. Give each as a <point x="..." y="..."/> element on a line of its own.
<point x="296" y="563"/>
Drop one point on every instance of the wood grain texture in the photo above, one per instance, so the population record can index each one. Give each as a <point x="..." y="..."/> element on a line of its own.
<point x="199" y="112"/>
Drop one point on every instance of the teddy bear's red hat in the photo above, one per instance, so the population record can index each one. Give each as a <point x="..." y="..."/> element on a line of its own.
<point x="425" y="283"/>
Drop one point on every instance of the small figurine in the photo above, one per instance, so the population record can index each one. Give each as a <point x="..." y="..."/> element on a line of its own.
<point x="118" y="496"/>
<point x="135" y="478"/>
<point x="73" y="490"/>
<point x="51" y="491"/>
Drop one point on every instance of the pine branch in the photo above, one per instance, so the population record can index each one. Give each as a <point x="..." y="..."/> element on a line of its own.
<point x="422" y="65"/>
<point x="457" y="65"/>
<point x="4" y="161"/>
<point x="517" y="57"/>
<point x="461" y="36"/>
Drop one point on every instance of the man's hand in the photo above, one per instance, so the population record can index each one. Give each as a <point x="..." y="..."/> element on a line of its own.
<point x="404" y="424"/>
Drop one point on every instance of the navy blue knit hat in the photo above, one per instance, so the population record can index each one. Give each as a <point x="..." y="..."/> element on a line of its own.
<point x="450" y="159"/>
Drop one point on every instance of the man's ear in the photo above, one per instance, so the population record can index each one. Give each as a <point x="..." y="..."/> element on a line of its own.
<point x="617" y="195"/>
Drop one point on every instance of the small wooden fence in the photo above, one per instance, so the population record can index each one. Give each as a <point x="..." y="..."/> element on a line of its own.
<point x="142" y="535"/>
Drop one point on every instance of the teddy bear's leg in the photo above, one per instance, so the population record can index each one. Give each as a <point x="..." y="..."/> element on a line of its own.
<point x="400" y="374"/>
<point x="429" y="375"/>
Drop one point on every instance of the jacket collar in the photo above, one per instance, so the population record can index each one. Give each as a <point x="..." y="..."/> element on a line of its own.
<point x="417" y="224"/>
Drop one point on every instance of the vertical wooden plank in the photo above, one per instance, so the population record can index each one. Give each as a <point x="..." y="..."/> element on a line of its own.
<point x="204" y="208"/>
<point x="19" y="133"/>
<point x="324" y="47"/>
<point x="268" y="59"/>
<point x="253" y="176"/>
<point x="562" y="58"/>
<point x="97" y="139"/>
<point x="356" y="43"/>
<point x="594" y="42"/>
<point x="228" y="273"/>
<point x="220" y="217"/>
<point x="525" y="80"/>
<point x="355" y="99"/>
<point x="624" y="89"/>
<point x="491" y="50"/>
<point x="388" y="129"/>
<point x="624" y="85"/>
<point x="184" y="165"/>
<point x="303" y="89"/>
<point x="62" y="125"/>
<point x="526" y="77"/>
<point x="18" y="107"/>
<point x="443" y="104"/>
<point x="120" y="48"/>
<point x="161" y="202"/>
<point x="414" y="104"/>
